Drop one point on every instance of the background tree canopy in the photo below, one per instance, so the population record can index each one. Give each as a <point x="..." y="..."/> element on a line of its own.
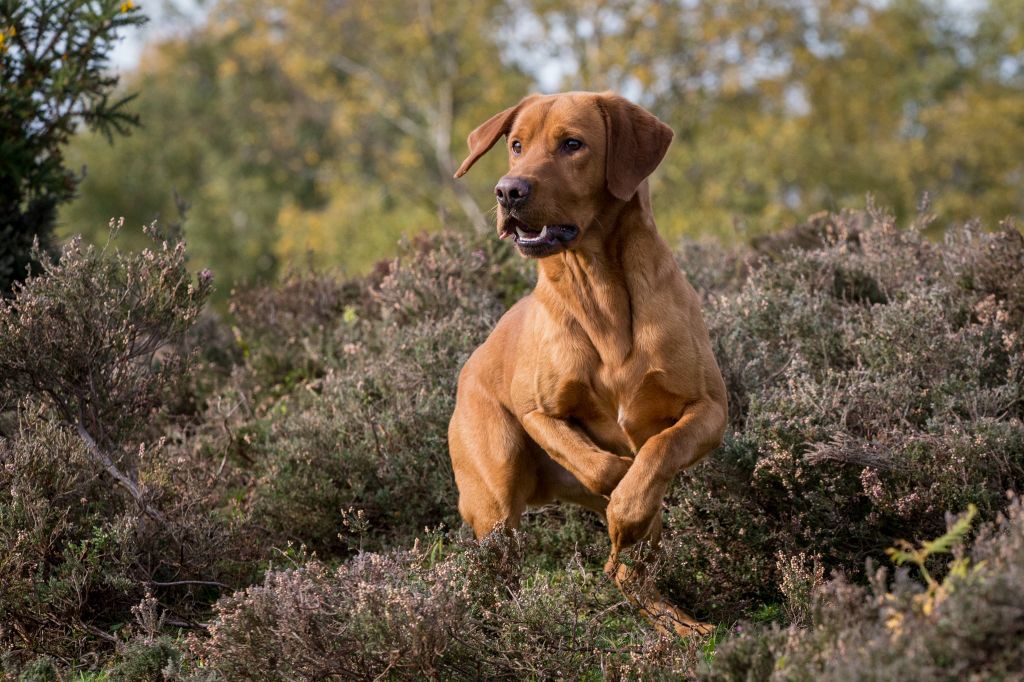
<point x="330" y="129"/>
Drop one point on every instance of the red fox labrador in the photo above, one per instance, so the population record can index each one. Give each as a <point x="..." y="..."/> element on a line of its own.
<point x="601" y="385"/>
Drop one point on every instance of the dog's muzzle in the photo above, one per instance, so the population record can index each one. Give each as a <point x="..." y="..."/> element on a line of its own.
<point x="538" y="243"/>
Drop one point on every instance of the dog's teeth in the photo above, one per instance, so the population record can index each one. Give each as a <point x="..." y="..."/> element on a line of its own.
<point x="520" y="232"/>
<point x="543" y="232"/>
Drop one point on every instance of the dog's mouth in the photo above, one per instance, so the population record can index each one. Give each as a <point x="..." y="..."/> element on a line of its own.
<point x="541" y="242"/>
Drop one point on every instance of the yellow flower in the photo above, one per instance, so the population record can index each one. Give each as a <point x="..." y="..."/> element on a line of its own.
<point x="127" y="6"/>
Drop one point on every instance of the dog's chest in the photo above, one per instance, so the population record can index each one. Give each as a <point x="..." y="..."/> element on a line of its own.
<point x="621" y="407"/>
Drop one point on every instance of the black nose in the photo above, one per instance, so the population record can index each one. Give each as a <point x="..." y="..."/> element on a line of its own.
<point x="512" y="191"/>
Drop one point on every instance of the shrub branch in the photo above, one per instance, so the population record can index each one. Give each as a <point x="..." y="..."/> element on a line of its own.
<point x="108" y="465"/>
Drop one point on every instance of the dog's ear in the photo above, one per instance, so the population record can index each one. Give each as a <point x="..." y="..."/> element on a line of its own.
<point x="489" y="132"/>
<point x="636" y="144"/>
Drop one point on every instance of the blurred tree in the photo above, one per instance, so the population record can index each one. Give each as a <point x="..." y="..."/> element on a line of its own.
<point x="406" y="80"/>
<point x="332" y="128"/>
<point x="226" y="130"/>
<point x="327" y="129"/>
<point x="785" y="107"/>
<point x="52" y="76"/>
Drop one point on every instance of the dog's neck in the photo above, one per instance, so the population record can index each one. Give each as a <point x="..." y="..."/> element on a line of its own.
<point x="603" y="284"/>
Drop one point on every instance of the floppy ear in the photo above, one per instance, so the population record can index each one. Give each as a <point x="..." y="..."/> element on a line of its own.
<point x="636" y="144"/>
<point x="484" y="137"/>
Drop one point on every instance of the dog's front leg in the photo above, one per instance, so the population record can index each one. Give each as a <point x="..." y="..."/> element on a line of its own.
<point x="598" y="470"/>
<point x="635" y="503"/>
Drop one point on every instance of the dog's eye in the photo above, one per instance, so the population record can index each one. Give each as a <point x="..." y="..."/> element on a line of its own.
<point x="517" y="147"/>
<point x="572" y="145"/>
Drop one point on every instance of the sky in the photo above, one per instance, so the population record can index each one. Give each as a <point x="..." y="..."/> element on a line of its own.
<point x="166" y="17"/>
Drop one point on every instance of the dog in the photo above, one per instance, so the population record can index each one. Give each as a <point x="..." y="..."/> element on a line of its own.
<point x="600" y="385"/>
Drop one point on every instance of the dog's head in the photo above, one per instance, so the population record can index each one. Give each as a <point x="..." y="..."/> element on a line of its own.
<point x="571" y="156"/>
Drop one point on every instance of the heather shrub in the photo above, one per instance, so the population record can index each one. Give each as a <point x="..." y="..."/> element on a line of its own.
<point x="65" y="563"/>
<point x="342" y="440"/>
<point x="78" y="555"/>
<point x="969" y="626"/>
<point x="437" y="612"/>
<point x="370" y="442"/>
<point x="287" y="333"/>
<point x="874" y="385"/>
<point x="99" y="505"/>
<point x="310" y="322"/>
<point x="876" y="382"/>
<point x="872" y="390"/>
<point x="158" y="659"/>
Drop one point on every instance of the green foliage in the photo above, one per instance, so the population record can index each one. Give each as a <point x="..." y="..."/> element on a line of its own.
<point x="235" y="181"/>
<point x="338" y="129"/>
<point x="52" y="75"/>
<point x="337" y="126"/>
<point x="766" y="101"/>
<point x="904" y="552"/>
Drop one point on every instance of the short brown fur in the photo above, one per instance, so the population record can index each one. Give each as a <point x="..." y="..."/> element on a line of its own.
<point x="601" y="385"/>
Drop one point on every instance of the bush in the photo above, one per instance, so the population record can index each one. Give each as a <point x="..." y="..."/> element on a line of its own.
<point x="874" y="384"/>
<point x="351" y="388"/>
<point x="968" y="627"/>
<point x="99" y="507"/>
<point x="436" y="612"/>
<point x="66" y="559"/>
<point x="876" y="381"/>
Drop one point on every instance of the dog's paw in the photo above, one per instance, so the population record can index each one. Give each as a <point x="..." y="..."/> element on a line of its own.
<point x="669" y="618"/>
<point x="631" y="516"/>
